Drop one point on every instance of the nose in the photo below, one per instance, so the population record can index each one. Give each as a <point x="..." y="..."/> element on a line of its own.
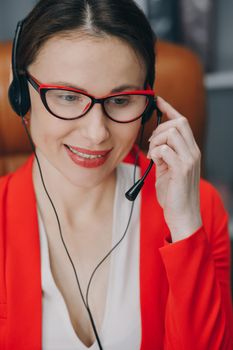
<point x="95" y="125"/>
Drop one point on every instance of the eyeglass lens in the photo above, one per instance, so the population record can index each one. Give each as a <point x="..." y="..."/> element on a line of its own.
<point x="69" y="104"/>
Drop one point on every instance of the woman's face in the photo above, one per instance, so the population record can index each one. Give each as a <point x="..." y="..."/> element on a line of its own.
<point x="97" y="144"/>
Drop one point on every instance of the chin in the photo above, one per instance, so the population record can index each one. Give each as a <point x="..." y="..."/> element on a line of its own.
<point x="87" y="178"/>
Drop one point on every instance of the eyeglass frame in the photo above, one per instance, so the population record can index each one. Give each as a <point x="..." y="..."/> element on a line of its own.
<point x="43" y="88"/>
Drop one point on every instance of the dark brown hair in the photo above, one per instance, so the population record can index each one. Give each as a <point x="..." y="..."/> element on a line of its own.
<point x="119" y="18"/>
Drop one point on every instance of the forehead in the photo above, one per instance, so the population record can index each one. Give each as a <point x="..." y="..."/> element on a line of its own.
<point x="87" y="61"/>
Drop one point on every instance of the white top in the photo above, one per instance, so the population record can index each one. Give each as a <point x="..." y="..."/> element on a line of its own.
<point x="121" y="327"/>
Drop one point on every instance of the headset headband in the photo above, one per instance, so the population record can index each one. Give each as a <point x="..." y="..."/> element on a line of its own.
<point x="18" y="91"/>
<point x="15" y="48"/>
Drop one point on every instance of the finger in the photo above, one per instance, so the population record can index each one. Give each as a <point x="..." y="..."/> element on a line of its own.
<point x="173" y="139"/>
<point x="182" y="127"/>
<point x="180" y="122"/>
<point x="167" y="109"/>
<point x="167" y="155"/>
<point x="183" y="130"/>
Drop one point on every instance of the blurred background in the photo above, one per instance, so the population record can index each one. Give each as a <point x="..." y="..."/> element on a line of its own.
<point x="206" y="27"/>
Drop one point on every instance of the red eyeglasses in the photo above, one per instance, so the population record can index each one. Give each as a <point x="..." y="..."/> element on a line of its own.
<point x="67" y="103"/>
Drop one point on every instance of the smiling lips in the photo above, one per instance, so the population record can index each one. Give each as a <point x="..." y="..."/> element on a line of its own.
<point x="87" y="158"/>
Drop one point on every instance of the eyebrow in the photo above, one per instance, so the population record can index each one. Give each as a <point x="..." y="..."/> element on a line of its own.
<point x="117" y="89"/>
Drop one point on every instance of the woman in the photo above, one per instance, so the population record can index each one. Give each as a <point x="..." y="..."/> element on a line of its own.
<point x="82" y="267"/>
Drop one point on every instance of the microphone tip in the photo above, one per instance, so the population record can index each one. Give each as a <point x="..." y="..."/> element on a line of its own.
<point x="133" y="192"/>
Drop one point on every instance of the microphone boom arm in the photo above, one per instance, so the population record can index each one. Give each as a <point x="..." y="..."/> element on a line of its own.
<point x="133" y="192"/>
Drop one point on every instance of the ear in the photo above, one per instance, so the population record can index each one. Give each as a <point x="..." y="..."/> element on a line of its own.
<point x="10" y="75"/>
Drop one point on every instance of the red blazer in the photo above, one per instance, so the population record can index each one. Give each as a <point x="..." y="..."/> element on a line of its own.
<point x="184" y="286"/>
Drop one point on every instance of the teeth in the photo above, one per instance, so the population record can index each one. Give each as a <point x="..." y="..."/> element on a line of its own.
<point x="84" y="155"/>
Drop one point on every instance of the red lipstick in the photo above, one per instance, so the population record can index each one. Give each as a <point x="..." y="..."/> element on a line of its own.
<point x="87" y="158"/>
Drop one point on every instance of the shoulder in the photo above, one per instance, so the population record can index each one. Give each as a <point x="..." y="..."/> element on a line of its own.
<point x="4" y="181"/>
<point x="16" y="198"/>
<point x="13" y="181"/>
<point x="210" y="199"/>
<point x="213" y="212"/>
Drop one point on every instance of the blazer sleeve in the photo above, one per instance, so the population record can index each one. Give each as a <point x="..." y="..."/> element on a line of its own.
<point x="199" y="306"/>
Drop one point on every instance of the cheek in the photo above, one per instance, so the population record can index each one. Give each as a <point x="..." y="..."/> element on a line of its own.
<point x="45" y="129"/>
<point x="126" y="134"/>
<point x="36" y="103"/>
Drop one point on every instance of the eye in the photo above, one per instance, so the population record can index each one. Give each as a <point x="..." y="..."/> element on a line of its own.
<point x="65" y="97"/>
<point x="119" y="100"/>
<point x="69" y="98"/>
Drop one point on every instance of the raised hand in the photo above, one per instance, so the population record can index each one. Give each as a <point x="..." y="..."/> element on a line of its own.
<point x="177" y="158"/>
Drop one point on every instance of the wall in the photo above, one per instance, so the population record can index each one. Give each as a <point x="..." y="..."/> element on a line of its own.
<point x="11" y="11"/>
<point x="224" y="35"/>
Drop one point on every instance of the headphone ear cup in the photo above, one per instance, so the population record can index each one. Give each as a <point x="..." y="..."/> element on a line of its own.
<point x="25" y="99"/>
<point x="13" y="95"/>
<point x="18" y="95"/>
